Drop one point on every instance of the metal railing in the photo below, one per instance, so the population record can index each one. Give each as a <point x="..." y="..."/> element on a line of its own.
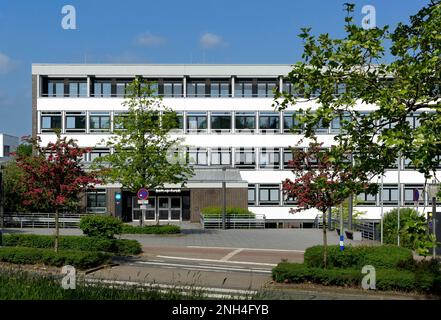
<point x="256" y="221"/>
<point x="41" y="220"/>
<point x="369" y="228"/>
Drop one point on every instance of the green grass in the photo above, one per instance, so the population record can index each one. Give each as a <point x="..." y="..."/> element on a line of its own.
<point x="216" y="212"/>
<point x="26" y="286"/>
<point x="155" y="229"/>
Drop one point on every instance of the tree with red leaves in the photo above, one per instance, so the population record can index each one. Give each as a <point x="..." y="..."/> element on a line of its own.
<point x="324" y="178"/>
<point x="53" y="177"/>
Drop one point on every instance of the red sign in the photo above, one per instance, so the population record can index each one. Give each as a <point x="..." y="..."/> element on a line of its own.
<point x="143" y="194"/>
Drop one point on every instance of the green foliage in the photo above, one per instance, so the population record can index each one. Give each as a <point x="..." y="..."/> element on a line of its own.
<point x="386" y="279"/>
<point x="13" y="189"/>
<point x="101" y="226"/>
<point x="24" y="149"/>
<point x="78" y="259"/>
<point x="144" y="154"/>
<point x="387" y="256"/>
<point x="356" y="214"/>
<point x="414" y="233"/>
<point x="211" y="212"/>
<point x="20" y="285"/>
<point x="156" y="229"/>
<point x="79" y="243"/>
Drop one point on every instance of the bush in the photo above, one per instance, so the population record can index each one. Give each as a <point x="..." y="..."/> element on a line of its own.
<point x="101" y="226"/>
<point x="217" y="212"/>
<point x="386" y="279"/>
<point x="161" y="229"/>
<point x="123" y="246"/>
<point x="387" y="256"/>
<point x="78" y="259"/>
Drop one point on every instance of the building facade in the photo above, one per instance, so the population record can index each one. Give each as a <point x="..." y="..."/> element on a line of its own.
<point x="227" y="119"/>
<point x="8" y="144"/>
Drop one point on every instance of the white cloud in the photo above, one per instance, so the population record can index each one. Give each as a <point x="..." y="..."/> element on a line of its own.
<point x="210" y="40"/>
<point x="6" y="63"/>
<point x="148" y="39"/>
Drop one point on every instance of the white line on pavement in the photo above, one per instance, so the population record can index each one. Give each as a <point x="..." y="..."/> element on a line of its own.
<point x="249" y="249"/>
<point x="213" y="260"/>
<point x="231" y="254"/>
<point x="206" y="268"/>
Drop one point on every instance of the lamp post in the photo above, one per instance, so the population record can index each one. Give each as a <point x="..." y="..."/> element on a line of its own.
<point x="433" y="191"/>
<point x="382" y="211"/>
<point x="1" y="205"/>
<point x="224" y="197"/>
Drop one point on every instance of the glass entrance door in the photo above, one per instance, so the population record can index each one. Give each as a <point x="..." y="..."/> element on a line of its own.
<point x="169" y="208"/>
<point x="150" y="213"/>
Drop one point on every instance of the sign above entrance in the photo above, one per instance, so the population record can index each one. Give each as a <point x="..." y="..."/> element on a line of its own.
<point x="143" y="194"/>
<point x="142" y="202"/>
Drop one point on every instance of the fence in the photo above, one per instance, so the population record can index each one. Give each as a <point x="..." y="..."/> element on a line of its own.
<point x="41" y="220"/>
<point x="256" y="221"/>
<point x="369" y="228"/>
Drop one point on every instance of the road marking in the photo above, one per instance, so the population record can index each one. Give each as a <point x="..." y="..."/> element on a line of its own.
<point x="248" y="249"/>
<point x="204" y="268"/>
<point x="231" y="254"/>
<point x="213" y="260"/>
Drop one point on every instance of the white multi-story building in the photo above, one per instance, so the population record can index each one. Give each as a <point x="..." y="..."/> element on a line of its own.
<point x="8" y="144"/>
<point x="228" y="119"/>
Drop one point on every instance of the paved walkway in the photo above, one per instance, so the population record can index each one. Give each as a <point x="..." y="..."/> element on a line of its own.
<point x="292" y="239"/>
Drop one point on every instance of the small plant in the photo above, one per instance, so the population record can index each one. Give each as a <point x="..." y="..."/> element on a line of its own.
<point x="101" y="226"/>
<point x="156" y="229"/>
<point x="212" y="212"/>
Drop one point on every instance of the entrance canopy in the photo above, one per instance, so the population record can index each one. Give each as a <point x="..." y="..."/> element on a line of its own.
<point x="213" y="178"/>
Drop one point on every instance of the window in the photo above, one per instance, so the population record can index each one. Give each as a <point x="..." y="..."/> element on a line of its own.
<point x="269" y="194"/>
<point x="252" y="195"/>
<point x="97" y="153"/>
<point x="366" y="199"/>
<point x="198" y="156"/>
<point x="121" y="87"/>
<point x="196" y="89"/>
<point x="319" y="128"/>
<point x="243" y="88"/>
<point x="269" y="158"/>
<point x="178" y="121"/>
<point x="77" y="88"/>
<point x="118" y="120"/>
<point x="265" y="88"/>
<point x="269" y="121"/>
<point x="221" y="121"/>
<point x="99" y="121"/>
<point x="220" y="88"/>
<point x="172" y="88"/>
<point x="245" y="158"/>
<point x="336" y="123"/>
<point x="245" y="122"/>
<point x="96" y="201"/>
<point x="289" y="199"/>
<point x="221" y="156"/>
<point x="288" y="88"/>
<point x="291" y="122"/>
<point x="55" y="88"/>
<point x="6" y="151"/>
<point x="75" y="122"/>
<point x="50" y="121"/>
<point x="413" y="120"/>
<point x="196" y="122"/>
<point x="102" y="88"/>
<point x="390" y="195"/>
<point x="287" y="157"/>
<point x="413" y="194"/>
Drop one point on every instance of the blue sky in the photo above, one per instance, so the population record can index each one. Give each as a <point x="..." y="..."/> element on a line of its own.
<point x="145" y="31"/>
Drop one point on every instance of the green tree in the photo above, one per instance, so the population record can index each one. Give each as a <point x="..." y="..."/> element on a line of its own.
<point x="145" y="155"/>
<point x="356" y="214"/>
<point x="24" y="149"/>
<point x="398" y="71"/>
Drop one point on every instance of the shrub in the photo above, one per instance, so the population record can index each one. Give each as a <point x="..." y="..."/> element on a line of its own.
<point x="161" y="229"/>
<point x="386" y="279"/>
<point x="120" y="246"/>
<point x="101" y="226"/>
<point x="387" y="256"/>
<point x="78" y="259"/>
<point x="217" y="212"/>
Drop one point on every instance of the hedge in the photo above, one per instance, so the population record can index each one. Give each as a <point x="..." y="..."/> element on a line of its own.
<point x="217" y="211"/>
<point x="386" y="279"/>
<point x="161" y="229"/>
<point x="387" y="256"/>
<point x="101" y="226"/>
<point x="78" y="259"/>
<point x="81" y="243"/>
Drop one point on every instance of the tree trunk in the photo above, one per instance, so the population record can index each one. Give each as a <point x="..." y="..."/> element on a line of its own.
<point x="325" y="241"/>
<point x="57" y="230"/>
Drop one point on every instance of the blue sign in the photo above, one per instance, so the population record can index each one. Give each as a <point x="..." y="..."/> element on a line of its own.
<point x="117" y="196"/>
<point x="416" y="195"/>
<point x="143" y="194"/>
<point x="342" y="243"/>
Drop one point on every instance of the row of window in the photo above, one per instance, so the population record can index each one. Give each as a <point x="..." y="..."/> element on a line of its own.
<point x="195" y="122"/>
<point x="412" y="195"/>
<point x="78" y="87"/>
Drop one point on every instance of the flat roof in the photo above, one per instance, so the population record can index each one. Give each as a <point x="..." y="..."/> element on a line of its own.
<point x="162" y="70"/>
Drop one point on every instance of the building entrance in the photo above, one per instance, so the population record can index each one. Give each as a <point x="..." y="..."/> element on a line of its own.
<point x="164" y="208"/>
